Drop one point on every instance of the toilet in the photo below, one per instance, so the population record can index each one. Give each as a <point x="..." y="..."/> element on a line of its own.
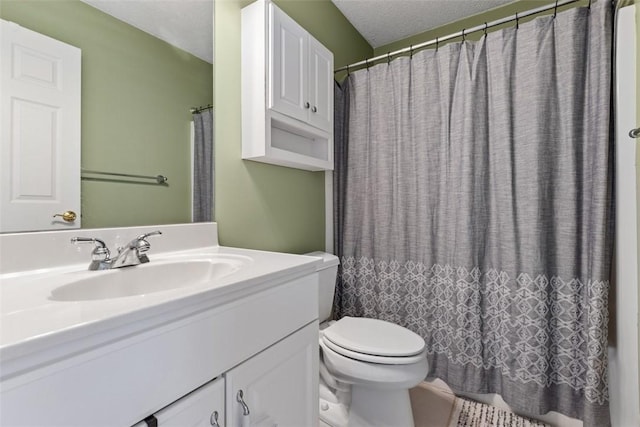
<point x="367" y="366"/>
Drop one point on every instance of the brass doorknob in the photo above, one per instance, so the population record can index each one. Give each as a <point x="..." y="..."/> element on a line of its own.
<point x="68" y="216"/>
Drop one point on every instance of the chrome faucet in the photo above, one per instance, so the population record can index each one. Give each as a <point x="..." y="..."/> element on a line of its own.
<point x="99" y="256"/>
<point x="133" y="253"/>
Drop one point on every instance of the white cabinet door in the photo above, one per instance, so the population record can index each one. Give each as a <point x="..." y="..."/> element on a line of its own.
<point x="39" y="131"/>
<point x="320" y="85"/>
<point x="279" y="386"/>
<point x="288" y="65"/>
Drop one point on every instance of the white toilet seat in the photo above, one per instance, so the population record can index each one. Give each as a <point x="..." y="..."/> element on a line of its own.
<point x="384" y="360"/>
<point x="374" y="340"/>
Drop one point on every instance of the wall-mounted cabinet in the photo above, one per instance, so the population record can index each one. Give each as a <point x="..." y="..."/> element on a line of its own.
<point x="287" y="91"/>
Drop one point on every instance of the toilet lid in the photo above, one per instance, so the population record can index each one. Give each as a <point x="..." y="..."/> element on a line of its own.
<point x="374" y="337"/>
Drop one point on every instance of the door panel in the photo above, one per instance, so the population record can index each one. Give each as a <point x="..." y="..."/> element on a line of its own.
<point x="279" y="385"/>
<point x="321" y="86"/>
<point x="40" y="131"/>
<point x="289" y="61"/>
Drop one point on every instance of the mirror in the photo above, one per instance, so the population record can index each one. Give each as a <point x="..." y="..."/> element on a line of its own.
<point x="136" y="100"/>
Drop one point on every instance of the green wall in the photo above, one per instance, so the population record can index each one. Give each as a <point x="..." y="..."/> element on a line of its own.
<point x="260" y="205"/>
<point x="136" y="95"/>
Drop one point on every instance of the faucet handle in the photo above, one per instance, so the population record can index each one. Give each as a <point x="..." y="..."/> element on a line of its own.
<point x="99" y="253"/>
<point x="153" y="233"/>
<point x="142" y="245"/>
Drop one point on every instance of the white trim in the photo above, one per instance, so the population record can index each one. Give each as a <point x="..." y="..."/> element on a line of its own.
<point x="623" y="357"/>
<point x="192" y="138"/>
<point x="328" y="212"/>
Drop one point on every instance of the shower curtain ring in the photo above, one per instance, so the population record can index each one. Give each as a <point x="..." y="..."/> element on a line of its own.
<point x="517" y="21"/>
<point x="485" y="29"/>
<point x="388" y="58"/>
<point x="411" y="51"/>
<point x="437" y="43"/>
<point x="366" y="63"/>
<point x="348" y="71"/>
<point x="463" y="36"/>
<point x="555" y="9"/>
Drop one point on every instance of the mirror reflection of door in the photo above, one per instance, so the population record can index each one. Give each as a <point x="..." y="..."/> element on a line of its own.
<point x="40" y="131"/>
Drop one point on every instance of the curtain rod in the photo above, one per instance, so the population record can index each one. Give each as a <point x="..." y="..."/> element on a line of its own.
<point x="462" y="33"/>
<point x="195" y="110"/>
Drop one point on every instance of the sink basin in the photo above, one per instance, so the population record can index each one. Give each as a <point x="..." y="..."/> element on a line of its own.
<point x="156" y="276"/>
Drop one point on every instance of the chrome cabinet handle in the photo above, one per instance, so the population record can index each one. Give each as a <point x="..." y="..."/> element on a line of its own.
<point x="307" y="105"/>
<point x="240" y="399"/>
<point x="214" y="419"/>
<point x="314" y="109"/>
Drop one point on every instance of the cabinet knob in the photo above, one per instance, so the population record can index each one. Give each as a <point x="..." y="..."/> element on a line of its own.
<point x="314" y="109"/>
<point x="214" y="419"/>
<point x="307" y="105"/>
<point x="240" y="399"/>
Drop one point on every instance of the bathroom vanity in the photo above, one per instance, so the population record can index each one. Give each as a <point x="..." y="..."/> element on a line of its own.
<point x="200" y="335"/>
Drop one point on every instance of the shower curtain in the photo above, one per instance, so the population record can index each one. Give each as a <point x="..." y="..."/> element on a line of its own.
<point x="474" y="199"/>
<point x="203" y="166"/>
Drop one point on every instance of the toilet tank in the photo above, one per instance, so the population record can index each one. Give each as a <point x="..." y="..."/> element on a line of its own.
<point x="327" y="271"/>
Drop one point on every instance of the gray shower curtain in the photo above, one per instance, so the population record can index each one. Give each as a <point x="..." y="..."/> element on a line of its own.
<point x="475" y="208"/>
<point x="203" y="165"/>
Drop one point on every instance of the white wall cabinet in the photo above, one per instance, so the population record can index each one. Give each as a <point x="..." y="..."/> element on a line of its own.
<point x="287" y="91"/>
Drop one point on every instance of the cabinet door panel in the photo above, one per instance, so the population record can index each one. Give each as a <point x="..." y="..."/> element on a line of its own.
<point x="279" y="385"/>
<point x="320" y="86"/>
<point x="289" y="62"/>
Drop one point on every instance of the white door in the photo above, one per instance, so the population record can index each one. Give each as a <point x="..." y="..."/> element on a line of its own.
<point x="279" y="386"/>
<point x="39" y="131"/>
<point x="288" y="58"/>
<point x="320" y="86"/>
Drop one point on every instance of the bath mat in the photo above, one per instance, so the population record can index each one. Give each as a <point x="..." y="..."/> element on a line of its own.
<point x="467" y="413"/>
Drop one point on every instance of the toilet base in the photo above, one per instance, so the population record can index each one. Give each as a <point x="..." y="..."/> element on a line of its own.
<point x="369" y="408"/>
<point x="375" y="407"/>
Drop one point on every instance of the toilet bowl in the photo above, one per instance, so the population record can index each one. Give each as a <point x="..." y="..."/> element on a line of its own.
<point x="366" y="365"/>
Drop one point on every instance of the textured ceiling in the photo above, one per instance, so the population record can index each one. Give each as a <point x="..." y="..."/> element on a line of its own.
<point x="385" y="21"/>
<point x="187" y="24"/>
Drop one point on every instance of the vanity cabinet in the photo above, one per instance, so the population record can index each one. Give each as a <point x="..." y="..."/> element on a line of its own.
<point x="287" y="91"/>
<point x="260" y="336"/>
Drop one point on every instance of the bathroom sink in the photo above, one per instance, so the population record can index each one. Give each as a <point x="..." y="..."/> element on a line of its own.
<point x="156" y="276"/>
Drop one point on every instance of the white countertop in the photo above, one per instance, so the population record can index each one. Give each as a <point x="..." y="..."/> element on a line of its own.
<point x="31" y="322"/>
